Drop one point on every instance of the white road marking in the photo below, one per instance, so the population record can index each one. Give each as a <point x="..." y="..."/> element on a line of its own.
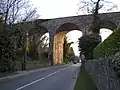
<point x="28" y="72"/>
<point x="41" y="79"/>
<point x="23" y="73"/>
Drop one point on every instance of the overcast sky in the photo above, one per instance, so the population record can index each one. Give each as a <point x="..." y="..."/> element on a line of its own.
<point x="63" y="8"/>
<point x="60" y="8"/>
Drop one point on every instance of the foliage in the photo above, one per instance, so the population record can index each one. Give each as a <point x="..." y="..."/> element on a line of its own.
<point x="70" y="52"/>
<point x="33" y="55"/>
<point x="7" y="55"/>
<point x="115" y="62"/>
<point x="67" y="50"/>
<point x="94" y="6"/>
<point x="88" y="43"/>
<point x="45" y="54"/>
<point x="17" y="10"/>
<point x="38" y="47"/>
<point x="65" y="60"/>
<point x="110" y="46"/>
<point x="89" y="6"/>
<point x="69" y="55"/>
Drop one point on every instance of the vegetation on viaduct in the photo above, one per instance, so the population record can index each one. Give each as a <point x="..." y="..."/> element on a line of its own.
<point x="109" y="46"/>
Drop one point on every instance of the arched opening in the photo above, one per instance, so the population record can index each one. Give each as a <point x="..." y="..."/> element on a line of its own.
<point x="43" y="46"/>
<point x="104" y="32"/>
<point x="37" y="38"/>
<point x="67" y="27"/>
<point x="45" y="39"/>
<point x="59" y="41"/>
<point x="106" y="29"/>
<point x="107" y="24"/>
<point x="92" y="39"/>
<point x="73" y="36"/>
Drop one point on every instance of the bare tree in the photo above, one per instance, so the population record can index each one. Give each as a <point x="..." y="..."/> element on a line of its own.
<point x="90" y="6"/>
<point x="95" y="7"/>
<point x="17" y="10"/>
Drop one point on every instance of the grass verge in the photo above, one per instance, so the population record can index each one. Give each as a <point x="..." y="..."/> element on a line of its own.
<point x="84" y="82"/>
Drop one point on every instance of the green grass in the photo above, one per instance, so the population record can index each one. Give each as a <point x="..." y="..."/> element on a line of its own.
<point x="84" y="82"/>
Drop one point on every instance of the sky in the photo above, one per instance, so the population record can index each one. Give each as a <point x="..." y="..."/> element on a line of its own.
<point x="73" y="37"/>
<point x="75" y="34"/>
<point x="60" y="8"/>
<point x="63" y="8"/>
<point x="56" y="8"/>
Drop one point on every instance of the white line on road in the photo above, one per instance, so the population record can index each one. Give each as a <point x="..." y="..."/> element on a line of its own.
<point x="27" y="72"/>
<point x="22" y="73"/>
<point x="41" y="79"/>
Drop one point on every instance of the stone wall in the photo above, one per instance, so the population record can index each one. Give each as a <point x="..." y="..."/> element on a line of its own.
<point x="84" y="21"/>
<point x="31" y="65"/>
<point x="103" y="74"/>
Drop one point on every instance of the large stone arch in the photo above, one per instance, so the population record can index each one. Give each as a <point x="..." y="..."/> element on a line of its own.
<point x="82" y="21"/>
<point x="95" y="28"/>
<point x="36" y="33"/>
<point x="59" y="41"/>
<point x="34" y="39"/>
<point x="107" y="24"/>
<point x="67" y="27"/>
<point x="38" y="30"/>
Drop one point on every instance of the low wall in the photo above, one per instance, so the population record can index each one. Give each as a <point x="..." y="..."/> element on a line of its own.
<point x="103" y="74"/>
<point x="31" y="65"/>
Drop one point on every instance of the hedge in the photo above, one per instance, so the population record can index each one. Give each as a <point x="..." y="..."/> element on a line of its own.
<point x="108" y="47"/>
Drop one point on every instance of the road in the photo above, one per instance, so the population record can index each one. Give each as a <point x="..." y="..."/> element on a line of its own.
<point x="54" y="78"/>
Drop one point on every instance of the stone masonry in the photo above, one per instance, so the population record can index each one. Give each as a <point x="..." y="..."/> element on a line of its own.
<point x="57" y="25"/>
<point x="103" y="74"/>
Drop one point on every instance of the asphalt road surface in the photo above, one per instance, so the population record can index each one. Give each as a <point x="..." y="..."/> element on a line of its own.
<point x="54" y="78"/>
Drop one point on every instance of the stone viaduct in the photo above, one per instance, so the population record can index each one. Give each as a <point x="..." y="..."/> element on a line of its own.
<point x="59" y="27"/>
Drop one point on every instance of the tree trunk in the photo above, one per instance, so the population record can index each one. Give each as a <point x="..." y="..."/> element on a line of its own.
<point x="1" y="25"/>
<point x="95" y="27"/>
<point x="23" y="62"/>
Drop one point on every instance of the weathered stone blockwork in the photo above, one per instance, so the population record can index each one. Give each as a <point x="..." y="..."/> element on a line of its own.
<point x="102" y="74"/>
<point x="84" y="21"/>
<point x="58" y="47"/>
<point x="81" y="22"/>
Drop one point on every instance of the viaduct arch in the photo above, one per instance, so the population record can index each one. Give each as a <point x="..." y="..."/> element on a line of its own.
<point x="58" y="27"/>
